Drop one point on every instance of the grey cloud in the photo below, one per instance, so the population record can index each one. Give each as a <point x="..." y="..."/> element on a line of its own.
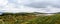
<point x="43" y="4"/>
<point x="38" y="5"/>
<point x="56" y="6"/>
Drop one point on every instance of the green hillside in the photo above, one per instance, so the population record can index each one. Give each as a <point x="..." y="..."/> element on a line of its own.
<point x="29" y="18"/>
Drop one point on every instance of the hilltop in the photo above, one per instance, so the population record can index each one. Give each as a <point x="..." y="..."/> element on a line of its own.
<point x="29" y="18"/>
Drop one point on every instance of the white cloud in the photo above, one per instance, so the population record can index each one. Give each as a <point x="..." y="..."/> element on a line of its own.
<point x="11" y="7"/>
<point x="3" y="2"/>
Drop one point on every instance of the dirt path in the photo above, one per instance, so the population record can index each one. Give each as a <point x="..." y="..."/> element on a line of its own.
<point x="2" y="21"/>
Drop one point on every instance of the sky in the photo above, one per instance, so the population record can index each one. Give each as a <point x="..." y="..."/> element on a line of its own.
<point x="16" y="6"/>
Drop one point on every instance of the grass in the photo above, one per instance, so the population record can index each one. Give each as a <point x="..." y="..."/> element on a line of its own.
<point x="29" y="19"/>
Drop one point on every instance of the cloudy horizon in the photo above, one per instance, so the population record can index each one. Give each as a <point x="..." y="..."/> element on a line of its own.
<point x="44" y="6"/>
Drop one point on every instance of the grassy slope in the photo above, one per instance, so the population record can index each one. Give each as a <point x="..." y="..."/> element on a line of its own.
<point x="29" y="19"/>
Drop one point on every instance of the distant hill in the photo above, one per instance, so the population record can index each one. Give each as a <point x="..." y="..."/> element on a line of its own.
<point x="24" y="13"/>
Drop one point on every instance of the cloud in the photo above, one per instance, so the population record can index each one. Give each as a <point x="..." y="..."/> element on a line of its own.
<point x="44" y="3"/>
<point x="38" y="5"/>
<point x="16" y="10"/>
<point x="3" y="2"/>
<point x="15" y="6"/>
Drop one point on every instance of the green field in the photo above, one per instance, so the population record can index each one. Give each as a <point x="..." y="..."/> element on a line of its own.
<point x="29" y="19"/>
